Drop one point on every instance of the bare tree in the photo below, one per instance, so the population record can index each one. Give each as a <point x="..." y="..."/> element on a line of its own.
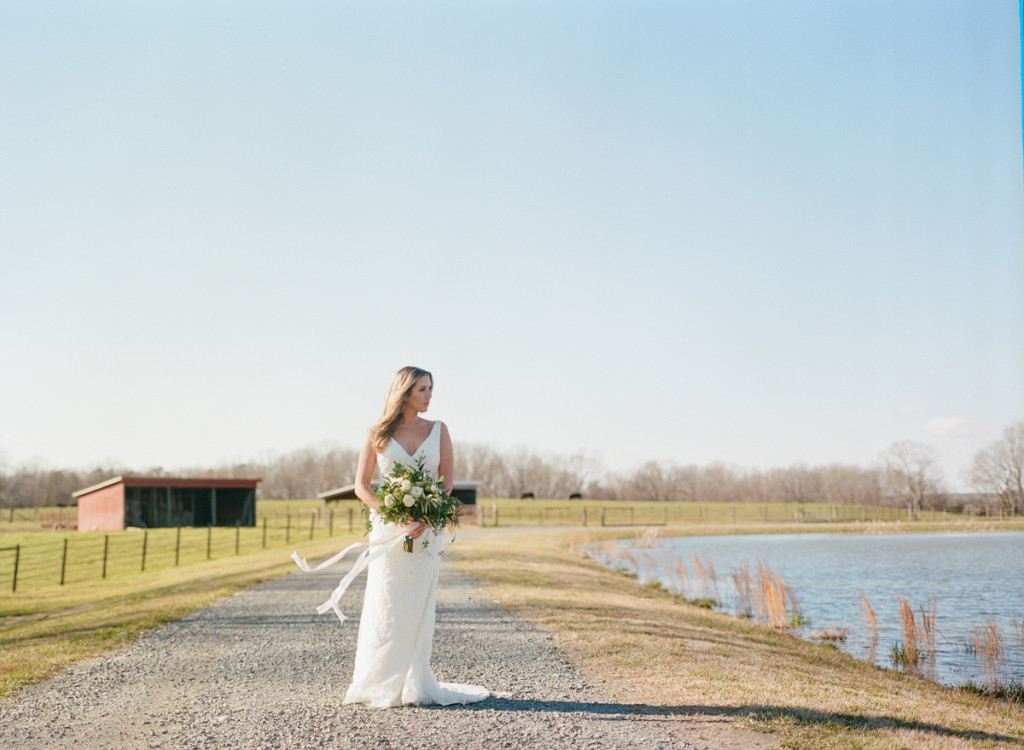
<point x="912" y="473"/>
<point x="999" y="469"/>
<point x="852" y="485"/>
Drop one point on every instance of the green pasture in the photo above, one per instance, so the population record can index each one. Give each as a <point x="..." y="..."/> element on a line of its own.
<point x="49" y="553"/>
<point x="626" y="513"/>
<point x="65" y="558"/>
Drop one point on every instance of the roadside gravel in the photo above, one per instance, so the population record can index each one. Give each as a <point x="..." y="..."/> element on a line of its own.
<point x="261" y="669"/>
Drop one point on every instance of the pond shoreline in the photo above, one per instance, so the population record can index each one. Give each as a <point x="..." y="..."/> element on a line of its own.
<point x="649" y="646"/>
<point x="845" y="589"/>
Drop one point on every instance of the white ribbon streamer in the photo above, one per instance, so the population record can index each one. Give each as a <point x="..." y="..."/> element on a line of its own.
<point x="372" y="551"/>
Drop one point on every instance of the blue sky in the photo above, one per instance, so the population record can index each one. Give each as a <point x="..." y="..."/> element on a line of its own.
<point x="728" y="231"/>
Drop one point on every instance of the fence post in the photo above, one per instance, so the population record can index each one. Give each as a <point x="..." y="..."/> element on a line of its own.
<point x="145" y="539"/>
<point x="209" y="538"/>
<point x="238" y="533"/>
<point x="494" y="512"/>
<point x="583" y="516"/>
<point x="350" y="518"/>
<point x="330" y="523"/>
<point x="64" y="561"/>
<point x="312" y="525"/>
<point x="106" y="546"/>
<point x="177" y="546"/>
<point x="602" y="516"/>
<point x="734" y="515"/>
<point x="264" y="532"/>
<point x="287" y="527"/>
<point x="17" y="557"/>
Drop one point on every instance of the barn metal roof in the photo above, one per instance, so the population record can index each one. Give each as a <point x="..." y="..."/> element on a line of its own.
<point x="200" y="482"/>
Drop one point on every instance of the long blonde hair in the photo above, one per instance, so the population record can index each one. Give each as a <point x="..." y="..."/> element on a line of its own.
<point x="398" y="392"/>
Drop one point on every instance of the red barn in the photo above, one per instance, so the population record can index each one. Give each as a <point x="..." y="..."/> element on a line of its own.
<point x="147" y="502"/>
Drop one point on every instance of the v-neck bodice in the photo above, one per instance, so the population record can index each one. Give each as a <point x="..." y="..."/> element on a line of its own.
<point x="429" y="452"/>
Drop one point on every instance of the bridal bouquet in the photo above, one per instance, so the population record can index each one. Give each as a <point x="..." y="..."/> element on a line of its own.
<point x="411" y="494"/>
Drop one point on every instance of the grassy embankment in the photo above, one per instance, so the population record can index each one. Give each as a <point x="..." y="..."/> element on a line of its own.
<point x="703" y="668"/>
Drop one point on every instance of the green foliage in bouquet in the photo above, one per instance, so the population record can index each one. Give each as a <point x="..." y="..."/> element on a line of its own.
<point x="410" y="494"/>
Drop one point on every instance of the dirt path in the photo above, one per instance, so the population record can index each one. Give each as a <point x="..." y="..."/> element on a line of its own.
<point x="261" y="670"/>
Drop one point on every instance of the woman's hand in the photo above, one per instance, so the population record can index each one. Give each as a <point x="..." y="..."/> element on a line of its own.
<point x="417" y="531"/>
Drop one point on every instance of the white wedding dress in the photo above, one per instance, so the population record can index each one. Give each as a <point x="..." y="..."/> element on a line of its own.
<point x="396" y="628"/>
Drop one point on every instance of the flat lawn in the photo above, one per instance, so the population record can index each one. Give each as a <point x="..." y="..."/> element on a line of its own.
<point x="44" y="630"/>
<point x="650" y="647"/>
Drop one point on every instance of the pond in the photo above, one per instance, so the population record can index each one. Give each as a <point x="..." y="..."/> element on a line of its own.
<point x="975" y="579"/>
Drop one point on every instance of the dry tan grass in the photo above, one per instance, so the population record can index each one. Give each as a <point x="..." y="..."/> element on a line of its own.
<point x="868" y="613"/>
<point x="722" y="676"/>
<point x="772" y="597"/>
<point x="988" y="643"/>
<point x="918" y="635"/>
<point x="908" y="624"/>
<point x="745" y="597"/>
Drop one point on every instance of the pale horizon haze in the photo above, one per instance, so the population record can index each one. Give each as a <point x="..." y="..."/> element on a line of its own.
<point x="763" y="234"/>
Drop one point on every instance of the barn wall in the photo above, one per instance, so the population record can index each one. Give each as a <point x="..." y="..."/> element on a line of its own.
<point x="102" y="510"/>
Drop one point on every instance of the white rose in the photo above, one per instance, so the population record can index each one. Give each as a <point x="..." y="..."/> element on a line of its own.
<point x="406" y="484"/>
<point x="408" y="501"/>
<point x="416" y="492"/>
<point x="390" y="499"/>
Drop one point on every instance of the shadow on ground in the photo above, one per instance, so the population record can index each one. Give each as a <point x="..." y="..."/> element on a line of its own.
<point x="806" y="716"/>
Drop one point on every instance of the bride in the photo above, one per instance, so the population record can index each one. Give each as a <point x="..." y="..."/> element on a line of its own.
<point x="396" y="628"/>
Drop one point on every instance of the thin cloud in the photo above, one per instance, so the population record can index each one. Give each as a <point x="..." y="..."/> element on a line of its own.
<point x="955" y="427"/>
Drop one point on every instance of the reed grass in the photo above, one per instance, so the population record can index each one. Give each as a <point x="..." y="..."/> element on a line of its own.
<point x="772" y="599"/>
<point x="907" y="652"/>
<point x="918" y="643"/>
<point x="988" y="644"/>
<point x="868" y="613"/>
<point x="646" y="537"/>
<point x="745" y="594"/>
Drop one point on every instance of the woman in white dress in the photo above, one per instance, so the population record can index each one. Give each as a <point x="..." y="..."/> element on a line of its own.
<point x="396" y="628"/>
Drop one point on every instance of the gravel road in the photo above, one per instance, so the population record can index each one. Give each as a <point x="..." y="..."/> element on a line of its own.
<point x="261" y="669"/>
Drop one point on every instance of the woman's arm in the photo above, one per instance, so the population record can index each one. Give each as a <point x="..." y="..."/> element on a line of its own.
<point x="447" y="467"/>
<point x="364" y="473"/>
<point x="364" y="491"/>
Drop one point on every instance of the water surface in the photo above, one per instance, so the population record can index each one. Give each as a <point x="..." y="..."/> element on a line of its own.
<point x="974" y="577"/>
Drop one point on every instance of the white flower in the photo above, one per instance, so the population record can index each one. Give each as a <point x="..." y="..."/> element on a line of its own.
<point x="390" y="499"/>
<point x="416" y="491"/>
<point x="408" y="501"/>
<point x="406" y="484"/>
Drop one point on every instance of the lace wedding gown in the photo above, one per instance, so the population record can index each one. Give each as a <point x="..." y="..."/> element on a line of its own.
<point x="396" y="628"/>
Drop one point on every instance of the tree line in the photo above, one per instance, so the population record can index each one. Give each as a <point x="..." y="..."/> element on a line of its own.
<point x="908" y="474"/>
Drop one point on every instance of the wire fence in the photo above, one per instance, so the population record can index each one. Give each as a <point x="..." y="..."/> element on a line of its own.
<point x="685" y="514"/>
<point x="44" y="559"/>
